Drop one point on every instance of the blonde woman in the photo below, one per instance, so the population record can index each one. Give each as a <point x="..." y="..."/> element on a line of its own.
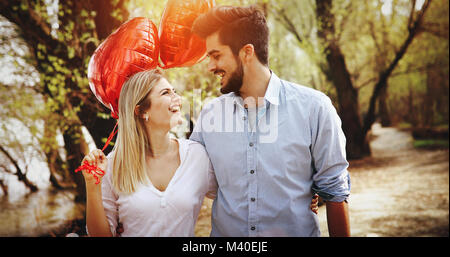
<point x="154" y="184"/>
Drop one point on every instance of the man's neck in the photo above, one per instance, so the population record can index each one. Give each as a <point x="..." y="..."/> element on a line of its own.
<point x="256" y="81"/>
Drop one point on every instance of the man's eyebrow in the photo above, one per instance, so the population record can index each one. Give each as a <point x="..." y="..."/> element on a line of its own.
<point x="212" y="52"/>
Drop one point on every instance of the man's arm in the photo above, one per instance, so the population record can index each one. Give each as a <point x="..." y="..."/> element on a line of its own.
<point x="331" y="179"/>
<point x="338" y="219"/>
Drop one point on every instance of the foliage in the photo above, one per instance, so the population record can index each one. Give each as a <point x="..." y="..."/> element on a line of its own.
<point x="430" y="143"/>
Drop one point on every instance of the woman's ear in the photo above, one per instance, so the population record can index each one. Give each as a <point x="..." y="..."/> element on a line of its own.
<point x="136" y="110"/>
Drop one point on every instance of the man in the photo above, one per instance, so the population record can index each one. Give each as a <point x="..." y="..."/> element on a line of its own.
<point x="272" y="143"/>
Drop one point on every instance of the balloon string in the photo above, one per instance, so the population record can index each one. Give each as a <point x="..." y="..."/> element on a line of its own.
<point x="113" y="133"/>
<point x="92" y="169"/>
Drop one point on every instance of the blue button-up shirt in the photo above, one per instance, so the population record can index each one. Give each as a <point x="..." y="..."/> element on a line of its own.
<point x="267" y="173"/>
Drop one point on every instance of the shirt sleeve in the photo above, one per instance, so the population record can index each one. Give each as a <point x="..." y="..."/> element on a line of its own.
<point x="197" y="134"/>
<point x="331" y="179"/>
<point x="212" y="183"/>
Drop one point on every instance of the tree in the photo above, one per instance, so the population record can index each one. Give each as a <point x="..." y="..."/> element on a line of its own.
<point x="60" y="46"/>
<point x="331" y="18"/>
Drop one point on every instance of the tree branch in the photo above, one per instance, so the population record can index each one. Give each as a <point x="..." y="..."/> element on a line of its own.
<point x="435" y="29"/>
<point x="384" y="75"/>
<point x="33" y="27"/>
<point x="20" y="175"/>
<point x="407" y="71"/>
<point x="411" y="15"/>
<point x="281" y="16"/>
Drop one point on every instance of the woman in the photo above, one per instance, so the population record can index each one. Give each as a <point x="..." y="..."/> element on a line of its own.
<point x="154" y="184"/>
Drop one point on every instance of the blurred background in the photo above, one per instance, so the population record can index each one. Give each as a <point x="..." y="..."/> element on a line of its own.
<point x="384" y="64"/>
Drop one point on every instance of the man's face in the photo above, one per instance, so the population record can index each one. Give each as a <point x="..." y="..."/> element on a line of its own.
<point x="224" y="63"/>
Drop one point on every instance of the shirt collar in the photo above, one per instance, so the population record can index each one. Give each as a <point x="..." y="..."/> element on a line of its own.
<point x="273" y="89"/>
<point x="272" y="92"/>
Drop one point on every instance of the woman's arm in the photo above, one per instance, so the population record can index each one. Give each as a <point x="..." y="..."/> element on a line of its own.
<point x="95" y="213"/>
<point x="96" y="221"/>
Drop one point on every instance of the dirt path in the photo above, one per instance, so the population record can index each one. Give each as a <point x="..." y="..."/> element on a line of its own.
<point x="399" y="191"/>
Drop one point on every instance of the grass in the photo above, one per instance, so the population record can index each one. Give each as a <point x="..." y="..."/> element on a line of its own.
<point x="431" y="143"/>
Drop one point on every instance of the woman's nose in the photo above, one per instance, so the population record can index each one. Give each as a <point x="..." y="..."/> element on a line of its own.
<point x="176" y="96"/>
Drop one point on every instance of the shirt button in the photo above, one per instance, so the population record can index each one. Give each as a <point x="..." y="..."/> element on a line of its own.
<point x="253" y="199"/>
<point x="251" y="144"/>
<point x="252" y="228"/>
<point x="252" y="171"/>
<point x="244" y="118"/>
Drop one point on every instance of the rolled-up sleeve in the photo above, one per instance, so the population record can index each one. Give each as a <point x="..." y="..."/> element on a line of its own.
<point x="331" y="179"/>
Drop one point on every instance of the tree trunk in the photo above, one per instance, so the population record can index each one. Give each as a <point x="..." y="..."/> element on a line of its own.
<point x="336" y="71"/>
<point x="357" y="145"/>
<point x="4" y="187"/>
<point x="76" y="149"/>
<point x="55" y="166"/>
<point x="412" y="116"/>
<point x="383" y="111"/>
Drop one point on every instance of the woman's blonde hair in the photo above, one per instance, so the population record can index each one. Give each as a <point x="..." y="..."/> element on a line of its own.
<point x="132" y="143"/>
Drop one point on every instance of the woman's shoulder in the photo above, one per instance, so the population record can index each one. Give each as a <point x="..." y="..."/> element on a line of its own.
<point x="110" y="160"/>
<point x="194" y="147"/>
<point x="193" y="143"/>
<point x="196" y="160"/>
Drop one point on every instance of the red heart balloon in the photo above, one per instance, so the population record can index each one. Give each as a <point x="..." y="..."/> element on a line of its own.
<point x="132" y="48"/>
<point x="179" y="46"/>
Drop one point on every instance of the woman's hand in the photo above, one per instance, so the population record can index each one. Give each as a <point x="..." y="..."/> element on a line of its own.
<point x="95" y="158"/>
<point x="315" y="204"/>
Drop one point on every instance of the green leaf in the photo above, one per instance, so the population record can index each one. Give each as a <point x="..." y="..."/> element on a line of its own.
<point x="70" y="52"/>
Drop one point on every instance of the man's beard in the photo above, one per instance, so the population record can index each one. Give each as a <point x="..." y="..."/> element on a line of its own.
<point x="234" y="84"/>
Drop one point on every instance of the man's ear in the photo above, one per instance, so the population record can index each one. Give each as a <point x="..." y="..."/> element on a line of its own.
<point x="247" y="52"/>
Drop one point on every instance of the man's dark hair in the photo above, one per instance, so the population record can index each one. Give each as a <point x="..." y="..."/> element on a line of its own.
<point x="237" y="27"/>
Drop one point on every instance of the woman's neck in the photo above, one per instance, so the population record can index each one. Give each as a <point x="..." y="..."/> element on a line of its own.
<point x="160" y="142"/>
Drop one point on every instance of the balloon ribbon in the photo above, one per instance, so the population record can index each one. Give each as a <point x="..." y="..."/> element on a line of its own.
<point x="92" y="169"/>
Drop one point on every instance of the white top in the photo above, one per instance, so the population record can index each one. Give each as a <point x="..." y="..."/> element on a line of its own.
<point x="150" y="212"/>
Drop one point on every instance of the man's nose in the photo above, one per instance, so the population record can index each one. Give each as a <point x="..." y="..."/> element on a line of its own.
<point x="211" y="66"/>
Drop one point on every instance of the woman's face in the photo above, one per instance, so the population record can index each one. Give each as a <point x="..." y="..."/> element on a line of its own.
<point x="165" y="106"/>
